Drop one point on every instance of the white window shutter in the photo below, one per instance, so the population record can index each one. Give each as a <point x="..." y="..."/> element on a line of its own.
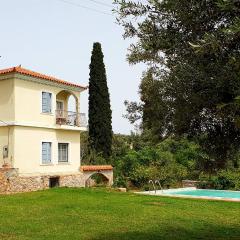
<point x="46" y="102"/>
<point x="46" y="152"/>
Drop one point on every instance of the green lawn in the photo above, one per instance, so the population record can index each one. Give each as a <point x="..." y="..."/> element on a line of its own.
<point x="102" y="214"/>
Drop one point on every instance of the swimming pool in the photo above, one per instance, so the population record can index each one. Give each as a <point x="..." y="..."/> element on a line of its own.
<point x="197" y="193"/>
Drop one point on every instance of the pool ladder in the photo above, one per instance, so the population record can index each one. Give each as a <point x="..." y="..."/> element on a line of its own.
<point x="154" y="183"/>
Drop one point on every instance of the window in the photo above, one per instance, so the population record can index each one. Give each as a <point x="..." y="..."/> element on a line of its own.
<point x="63" y="152"/>
<point x="46" y="152"/>
<point x="60" y="106"/>
<point x="46" y="102"/>
<point x="60" y="109"/>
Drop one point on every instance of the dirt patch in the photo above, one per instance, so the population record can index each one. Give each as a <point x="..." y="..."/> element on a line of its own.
<point x="7" y="236"/>
<point x="156" y="203"/>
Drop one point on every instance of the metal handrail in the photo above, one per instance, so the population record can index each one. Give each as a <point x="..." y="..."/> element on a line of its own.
<point x="71" y="118"/>
<point x="154" y="188"/>
<point x="158" y="182"/>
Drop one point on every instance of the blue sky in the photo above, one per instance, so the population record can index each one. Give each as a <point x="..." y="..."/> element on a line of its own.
<point x="55" y="38"/>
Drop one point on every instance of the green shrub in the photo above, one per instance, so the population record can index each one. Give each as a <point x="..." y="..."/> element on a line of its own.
<point x="140" y="175"/>
<point x="224" y="180"/>
<point x="169" y="162"/>
<point x="120" y="181"/>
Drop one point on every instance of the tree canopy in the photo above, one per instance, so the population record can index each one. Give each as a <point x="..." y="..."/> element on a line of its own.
<point x="192" y="83"/>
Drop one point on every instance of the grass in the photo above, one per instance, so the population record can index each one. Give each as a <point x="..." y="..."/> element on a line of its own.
<point x="99" y="214"/>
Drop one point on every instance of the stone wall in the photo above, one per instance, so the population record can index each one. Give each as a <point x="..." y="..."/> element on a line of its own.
<point x="11" y="182"/>
<point x="3" y="183"/>
<point x="27" y="184"/>
<point x="76" y="180"/>
<point x="5" y="175"/>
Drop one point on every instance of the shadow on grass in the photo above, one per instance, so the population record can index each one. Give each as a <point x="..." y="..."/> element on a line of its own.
<point x="217" y="233"/>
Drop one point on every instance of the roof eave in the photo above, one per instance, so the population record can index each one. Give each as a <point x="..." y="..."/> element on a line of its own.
<point x="73" y="87"/>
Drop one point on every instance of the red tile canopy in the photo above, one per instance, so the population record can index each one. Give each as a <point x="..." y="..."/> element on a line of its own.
<point x="96" y="168"/>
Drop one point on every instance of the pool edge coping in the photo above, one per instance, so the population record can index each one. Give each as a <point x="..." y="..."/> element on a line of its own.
<point x="152" y="193"/>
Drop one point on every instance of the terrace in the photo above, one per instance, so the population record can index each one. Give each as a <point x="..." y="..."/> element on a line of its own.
<point x="71" y="118"/>
<point x="68" y="110"/>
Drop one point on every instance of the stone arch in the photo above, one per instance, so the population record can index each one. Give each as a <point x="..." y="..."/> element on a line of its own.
<point x="64" y="95"/>
<point x="105" y="170"/>
<point x="94" y="177"/>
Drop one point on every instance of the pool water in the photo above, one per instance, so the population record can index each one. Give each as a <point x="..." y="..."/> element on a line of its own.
<point x="209" y="193"/>
<point x="193" y="192"/>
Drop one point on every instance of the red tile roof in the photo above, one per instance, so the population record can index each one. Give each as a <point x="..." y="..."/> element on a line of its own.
<point x="24" y="71"/>
<point x="96" y="168"/>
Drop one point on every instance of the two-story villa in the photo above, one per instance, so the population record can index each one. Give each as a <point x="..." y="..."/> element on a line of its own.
<point x="39" y="136"/>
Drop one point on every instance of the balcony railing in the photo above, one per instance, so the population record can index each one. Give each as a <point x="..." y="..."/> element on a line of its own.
<point x="71" y="118"/>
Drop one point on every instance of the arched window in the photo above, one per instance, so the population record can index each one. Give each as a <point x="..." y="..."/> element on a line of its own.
<point x="67" y="109"/>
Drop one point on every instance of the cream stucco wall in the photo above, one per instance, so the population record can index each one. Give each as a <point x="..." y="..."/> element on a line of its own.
<point x="21" y="101"/>
<point x="7" y="106"/>
<point x="28" y="103"/>
<point x="28" y="150"/>
<point x="21" y="108"/>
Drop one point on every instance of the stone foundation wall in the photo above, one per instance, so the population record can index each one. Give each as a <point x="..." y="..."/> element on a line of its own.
<point x="27" y="184"/>
<point x="5" y="175"/>
<point x="11" y="182"/>
<point x="3" y="183"/>
<point x="72" y="180"/>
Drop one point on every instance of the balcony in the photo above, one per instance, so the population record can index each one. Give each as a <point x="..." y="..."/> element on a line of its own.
<point x="71" y="118"/>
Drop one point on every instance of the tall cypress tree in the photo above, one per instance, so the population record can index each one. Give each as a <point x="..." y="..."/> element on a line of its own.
<point x="100" y="114"/>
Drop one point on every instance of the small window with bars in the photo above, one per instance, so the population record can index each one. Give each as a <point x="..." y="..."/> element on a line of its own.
<point x="63" y="152"/>
<point x="46" y="102"/>
<point x="46" y="152"/>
